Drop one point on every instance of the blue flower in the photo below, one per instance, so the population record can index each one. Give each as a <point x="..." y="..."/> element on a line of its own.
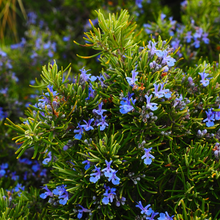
<point x="131" y="80"/>
<point x="64" y="198"/>
<point x="80" y="212"/>
<point x="35" y="167"/>
<point x="48" y="159"/>
<point x="88" y="126"/>
<point x="152" y="46"/>
<point x="87" y="166"/>
<point x="25" y="161"/>
<point x="14" y="176"/>
<point x="91" y="93"/>
<point x="2" y="114"/>
<point x="159" y="94"/>
<point x="126" y="106"/>
<point x="83" y="75"/>
<point x="205" y="38"/>
<point x="103" y="123"/>
<point x="204" y="81"/>
<point x="152" y="106"/>
<point x="2" y="173"/>
<point x="4" y="166"/>
<point x="210" y="118"/>
<point x="62" y="194"/>
<point x="196" y="43"/>
<point x="59" y="190"/>
<point x="148" y="157"/>
<point x="165" y="216"/>
<point x="115" y="180"/>
<point x="101" y="79"/>
<point x="18" y="188"/>
<point x="108" y="196"/>
<point x="217" y="114"/>
<point x="108" y="170"/>
<point x="162" y="16"/>
<point x="47" y="193"/>
<point x="167" y="59"/>
<point x="51" y="91"/>
<point x="144" y="210"/>
<point x="153" y="214"/>
<point x="43" y="172"/>
<point x="178" y="100"/>
<point x="100" y="110"/>
<point x="94" y="177"/>
<point x="184" y="3"/>
<point x="188" y="36"/>
<point x="80" y="131"/>
<point x="147" y="28"/>
<point x="66" y="38"/>
<point x="3" y="54"/>
<point x="138" y="3"/>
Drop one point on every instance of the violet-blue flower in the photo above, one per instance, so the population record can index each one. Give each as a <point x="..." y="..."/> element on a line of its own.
<point x="158" y="94"/>
<point x="204" y="81"/>
<point x="131" y="80"/>
<point x="177" y="101"/>
<point x="83" y="75"/>
<point x="108" y="196"/>
<point x="167" y="59"/>
<point x="103" y="123"/>
<point x="2" y="114"/>
<point x="80" y="212"/>
<point x="152" y="46"/>
<point x="152" y="106"/>
<point x="165" y="216"/>
<point x="47" y="193"/>
<point x="196" y="43"/>
<point x="210" y="118"/>
<point x="139" y="3"/>
<point x="94" y="177"/>
<point x="64" y="198"/>
<point x="115" y="180"/>
<point x="36" y="166"/>
<point x="205" y="38"/>
<point x="87" y="166"/>
<point x="162" y="16"/>
<point x="62" y="194"/>
<point x="188" y="36"/>
<point x="25" y="161"/>
<point x="108" y="170"/>
<point x="153" y="214"/>
<point x="217" y="114"/>
<point x="59" y="190"/>
<point x="14" y="176"/>
<point x="100" y="110"/>
<point x="79" y="131"/>
<point x="147" y="156"/>
<point x="91" y="93"/>
<point x="144" y="210"/>
<point x="198" y="33"/>
<point x="18" y="188"/>
<point x="48" y="159"/>
<point x="147" y="28"/>
<point x="43" y="172"/>
<point x="88" y="126"/>
<point x="126" y="106"/>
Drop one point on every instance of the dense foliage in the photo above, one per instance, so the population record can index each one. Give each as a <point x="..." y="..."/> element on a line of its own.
<point x="129" y="130"/>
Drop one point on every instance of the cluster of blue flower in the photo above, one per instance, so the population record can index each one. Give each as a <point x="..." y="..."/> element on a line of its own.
<point x="150" y="214"/>
<point x="181" y="34"/>
<point x="59" y="192"/>
<point x="108" y="172"/>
